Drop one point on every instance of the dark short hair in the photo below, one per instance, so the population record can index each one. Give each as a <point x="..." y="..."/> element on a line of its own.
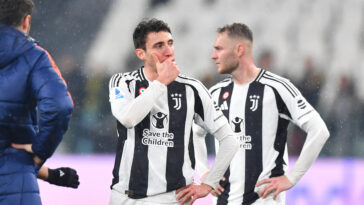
<point x="144" y="28"/>
<point x="237" y="30"/>
<point x="12" y="12"/>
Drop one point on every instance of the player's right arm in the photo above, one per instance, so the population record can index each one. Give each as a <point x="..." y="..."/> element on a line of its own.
<point x="127" y="109"/>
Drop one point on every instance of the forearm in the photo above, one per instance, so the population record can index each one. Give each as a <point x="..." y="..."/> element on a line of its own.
<point x="199" y="135"/>
<point x="317" y="135"/>
<point x="138" y="108"/>
<point x="227" y="150"/>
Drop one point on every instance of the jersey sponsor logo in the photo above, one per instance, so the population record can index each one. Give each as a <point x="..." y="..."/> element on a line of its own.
<point x="238" y="125"/>
<point x="157" y="138"/>
<point x="225" y="95"/>
<point x="159" y="120"/>
<point x="301" y="104"/>
<point x="177" y="100"/>
<point x="224" y="106"/>
<point x="118" y="94"/>
<point x="254" y="100"/>
<point x="141" y="90"/>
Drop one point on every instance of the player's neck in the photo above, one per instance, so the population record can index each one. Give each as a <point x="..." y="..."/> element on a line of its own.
<point x="150" y="73"/>
<point x="245" y="74"/>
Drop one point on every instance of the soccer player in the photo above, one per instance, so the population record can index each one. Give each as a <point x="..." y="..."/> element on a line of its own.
<point x="29" y="82"/>
<point x="259" y="106"/>
<point x="155" y="108"/>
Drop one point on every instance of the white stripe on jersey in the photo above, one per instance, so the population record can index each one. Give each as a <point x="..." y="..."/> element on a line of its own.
<point x="158" y="154"/>
<point x="186" y="168"/>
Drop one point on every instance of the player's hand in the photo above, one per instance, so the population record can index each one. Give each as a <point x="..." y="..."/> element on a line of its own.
<point x="167" y="70"/>
<point x="63" y="176"/>
<point x="192" y="192"/>
<point x="28" y="148"/>
<point x="274" y="184"/>
<point x="218" y="191"/>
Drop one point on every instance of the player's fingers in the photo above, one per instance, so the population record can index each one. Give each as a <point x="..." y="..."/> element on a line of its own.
<point x="214" y="193"/>
<point x="182" y="188"/>
<point x="186" y="197"/>
<point x="268" y="191"/>
<point x="193" y="199"/>
<point x="264" y="181"/>
<point x="220" y="188"/>
<point x="276" y="193"/>
<point x="155" y="57"/>
<point x="182" y="193"/>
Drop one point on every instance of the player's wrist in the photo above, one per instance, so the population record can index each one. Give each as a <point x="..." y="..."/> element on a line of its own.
<point x="208" y="187"/>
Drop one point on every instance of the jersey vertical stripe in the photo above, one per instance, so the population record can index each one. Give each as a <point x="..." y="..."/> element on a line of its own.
<point x="175" y="156"/>
<point x="224" y="101"/>
<point x="138" y="182"/>
<point x="253" y="128"/>
<point x="122" y="135"/>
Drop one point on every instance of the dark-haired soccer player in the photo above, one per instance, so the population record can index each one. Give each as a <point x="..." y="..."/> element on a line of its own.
<point x="155" y="108"/>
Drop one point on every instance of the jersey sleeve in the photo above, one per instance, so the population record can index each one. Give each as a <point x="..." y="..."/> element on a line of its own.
<point x="208" y="114"/>
<point x="120" y="95"/>
<point x="299" y="109"/>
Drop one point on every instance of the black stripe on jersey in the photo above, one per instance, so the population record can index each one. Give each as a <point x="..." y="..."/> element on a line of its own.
<point x="187" y="78"/>
<point x="177" y="103"/>
<point x="114" y="78"/>
<point x="142" y="76"/>
<point x="117" y="81"/>
<point x="253" y="128"/>
<point x="261" y="73"/>
<point x="138" y="182"/>
<point x="281" y="136"/>
<point x="285" y="84"/>
<point x="219" y="85"/>
<point x="122" y="131"/>
<point x="223" y="198"/>
<point x="191" y="151"/>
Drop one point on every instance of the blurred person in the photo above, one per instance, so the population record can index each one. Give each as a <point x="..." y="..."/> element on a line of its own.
<point x="310" y="87"/>
<point x="265" y="60"/>
<point x="155" y="108"/>
<point x="29" y="82"/>
<point x="344" y="119"/>
<point x="259" y="106"/>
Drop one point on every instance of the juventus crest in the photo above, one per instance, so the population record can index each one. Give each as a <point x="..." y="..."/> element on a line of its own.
<point x="254" y="100"/>
<point x="177" y="100"/>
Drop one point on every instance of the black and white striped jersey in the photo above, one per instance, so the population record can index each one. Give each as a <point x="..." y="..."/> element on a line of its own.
<point x="259" y="113"/>
<point x="157" y="155"/>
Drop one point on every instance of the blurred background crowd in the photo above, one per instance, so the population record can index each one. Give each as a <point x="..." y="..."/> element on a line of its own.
<point x="319" y="45"/>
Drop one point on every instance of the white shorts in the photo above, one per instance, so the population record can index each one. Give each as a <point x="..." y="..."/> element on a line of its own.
<point x="118" y="198"/>
<point x="281" y="200"/>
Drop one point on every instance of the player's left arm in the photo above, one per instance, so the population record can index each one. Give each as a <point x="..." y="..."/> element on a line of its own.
<point x="311" y="122"/>
<point x="209" y="117"/>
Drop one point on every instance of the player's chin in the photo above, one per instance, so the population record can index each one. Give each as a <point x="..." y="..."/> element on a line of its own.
<point x="222" y="70"/>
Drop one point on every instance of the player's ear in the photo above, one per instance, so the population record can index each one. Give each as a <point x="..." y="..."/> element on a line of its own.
<point x="240" y="49"/>
<point x="140" y="53"/>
